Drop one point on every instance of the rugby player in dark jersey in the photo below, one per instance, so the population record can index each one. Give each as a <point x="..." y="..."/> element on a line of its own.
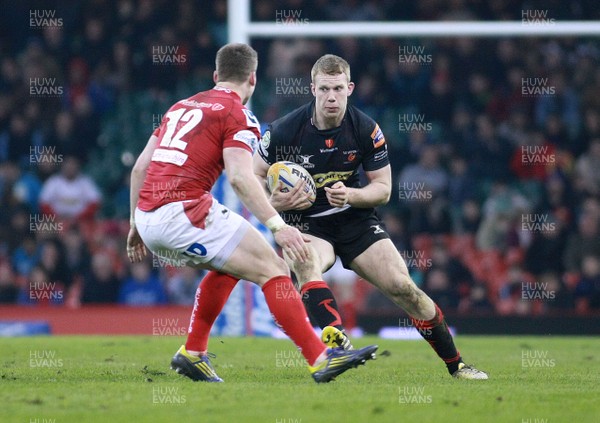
<point x="332" y="140"/>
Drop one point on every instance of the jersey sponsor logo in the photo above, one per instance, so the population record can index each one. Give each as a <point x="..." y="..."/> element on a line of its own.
<point x="327" y="150"/>
<point x="350" y="156"/>
<point x="169" y="156"/>
<point x="377" y="136"/>
<point x="323" y="179"/>
<point x="193" y="103"/>
<point x="247" y="137"/>
<point x="251" y="119"/>
<point x="329" y="142"/>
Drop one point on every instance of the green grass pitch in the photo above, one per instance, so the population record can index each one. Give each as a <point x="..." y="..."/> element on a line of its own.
<point x="124" y="379"/>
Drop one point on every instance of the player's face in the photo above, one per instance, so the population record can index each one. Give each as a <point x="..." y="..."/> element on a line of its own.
<point x="331" y="93"/>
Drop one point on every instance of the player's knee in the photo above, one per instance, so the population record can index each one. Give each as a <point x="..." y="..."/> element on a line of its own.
<point x="309" y="270"/>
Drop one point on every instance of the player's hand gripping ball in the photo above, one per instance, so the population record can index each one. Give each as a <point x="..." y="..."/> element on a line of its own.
<point x="289" y="174"/>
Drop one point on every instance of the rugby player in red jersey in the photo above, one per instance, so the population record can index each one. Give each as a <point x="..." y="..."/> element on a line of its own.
<point x="176" y="218"/>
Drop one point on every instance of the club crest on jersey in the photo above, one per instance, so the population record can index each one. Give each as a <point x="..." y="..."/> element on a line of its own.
<point x="377" y="136"/>
<point x="329" y="143"/>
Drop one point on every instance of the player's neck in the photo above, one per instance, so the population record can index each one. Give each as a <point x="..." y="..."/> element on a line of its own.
<point x="322" y="123"/>
<point x="238" y="89"/>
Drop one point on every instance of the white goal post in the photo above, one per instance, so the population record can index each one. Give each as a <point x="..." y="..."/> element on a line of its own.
<point x="241" y="29"/>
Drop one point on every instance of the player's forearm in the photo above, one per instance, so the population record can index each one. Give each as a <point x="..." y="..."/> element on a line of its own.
<point x="262" y="181"/>
<point x="251" y="193"/>
<point x="372" y="195"/>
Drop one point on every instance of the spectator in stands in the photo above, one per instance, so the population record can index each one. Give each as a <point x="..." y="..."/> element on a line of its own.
<point x="39" y="289"/>
<point x="559" y="297"/>
<point x="100" y="284"/>
<point x="502" y="207"/>
<point x="70" y="195"/>
<point x="25" y="256"/>
<point x="76" y="251"/>
<point x="545" y="252"/>
<point x="477" y="301"/>
<point x="423" y="189"/>
<point x="586" y="241"/>
<point x="441" y="289"/>
<point x="470" y="218"/>
<point x="587" y="170"/>
<point x="142" y="288"/>
<point x="489" y="155"/>
<point x="16" y="139"/>
<point x="8" y="285"/>
<point x="511" y="298"/>
<point x="587" y="292"/>
<point x="52" y="260"/>
<point x="564" y="103"/>
<point x="461" y="187"/>
<point x="460" y="277"/>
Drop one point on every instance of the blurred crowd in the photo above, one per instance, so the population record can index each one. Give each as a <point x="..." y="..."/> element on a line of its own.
<point x="494" y="144"/>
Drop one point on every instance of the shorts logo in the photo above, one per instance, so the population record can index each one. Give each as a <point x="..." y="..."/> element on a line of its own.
<point x="378" y="229"/>
<point x="195" y="249"/>
<point x="329" y="142"/>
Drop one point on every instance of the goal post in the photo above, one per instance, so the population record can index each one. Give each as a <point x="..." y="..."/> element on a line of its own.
<point x="241" y="29"/>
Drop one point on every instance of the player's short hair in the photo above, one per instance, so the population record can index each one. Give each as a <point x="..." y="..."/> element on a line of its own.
<point x="330" y="64"/>
<point x="235" y="62"/>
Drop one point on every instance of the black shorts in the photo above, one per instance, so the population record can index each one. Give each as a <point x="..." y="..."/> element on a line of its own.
<point x="350" y="232"/>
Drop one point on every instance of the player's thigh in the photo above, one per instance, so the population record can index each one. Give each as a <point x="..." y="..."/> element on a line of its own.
<point x="321" y="258"/>
<point x="254" y="259"/>
<point x="383" y="266"/>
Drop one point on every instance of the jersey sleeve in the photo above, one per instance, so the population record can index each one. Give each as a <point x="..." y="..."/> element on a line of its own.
<point x="375" y="147"/>
<point x="243" y="130"/>
<point x="266" y="149"/>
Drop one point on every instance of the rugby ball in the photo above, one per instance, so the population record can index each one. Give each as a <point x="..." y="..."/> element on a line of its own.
<point x="289" y="173"/>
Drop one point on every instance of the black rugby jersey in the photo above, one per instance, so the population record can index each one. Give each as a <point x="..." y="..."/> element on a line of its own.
<point x="329" y="155"/>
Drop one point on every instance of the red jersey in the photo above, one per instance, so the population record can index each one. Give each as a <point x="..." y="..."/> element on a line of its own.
<point x="191" y="137"/>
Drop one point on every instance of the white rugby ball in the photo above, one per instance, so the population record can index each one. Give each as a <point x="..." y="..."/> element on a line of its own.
<point x="289" y="173"/>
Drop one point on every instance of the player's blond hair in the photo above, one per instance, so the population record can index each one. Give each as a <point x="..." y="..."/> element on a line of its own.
<point x="235" y="62"/>
<point x="330" y="64"/>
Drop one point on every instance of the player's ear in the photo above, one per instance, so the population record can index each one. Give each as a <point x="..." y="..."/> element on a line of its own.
<point x="215" y="77"/>
<point x="252" y="79"/>
<point x="313" y="89"/>
<point x="350" y="88"/>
